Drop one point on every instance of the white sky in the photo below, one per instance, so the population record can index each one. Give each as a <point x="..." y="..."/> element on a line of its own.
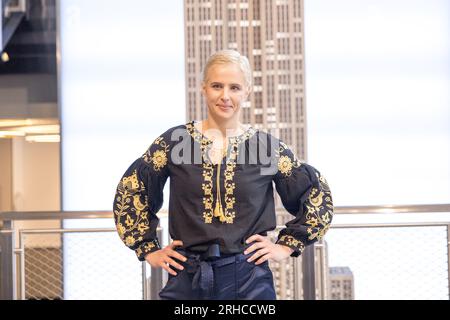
<point x="378" y="108"/>
<point x="122" y="85"/>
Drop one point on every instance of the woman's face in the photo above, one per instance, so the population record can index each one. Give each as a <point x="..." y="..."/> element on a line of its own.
<point x="224" y="91"/>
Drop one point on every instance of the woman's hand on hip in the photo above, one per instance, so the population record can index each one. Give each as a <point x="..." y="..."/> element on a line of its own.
<point x="162" y="258"/>
<point x="266" y="249"/>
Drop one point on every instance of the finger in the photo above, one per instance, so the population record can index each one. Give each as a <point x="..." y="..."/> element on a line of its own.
<point x="258" y="254"/>
<point x="253" y="247"/>
<point x="263" y="259"/>
<point x="176" y="243"/>
<point x="177" y="255"/>
<point x="255" y="237"/>
<point x="168" y="269"/>
<point x="174" y="263"/>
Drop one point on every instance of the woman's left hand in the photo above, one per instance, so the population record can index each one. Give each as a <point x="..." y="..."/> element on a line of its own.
<point x="266" y="249"/>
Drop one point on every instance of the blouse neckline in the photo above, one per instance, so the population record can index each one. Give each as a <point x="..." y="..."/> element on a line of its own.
<point x="202" y="139"/>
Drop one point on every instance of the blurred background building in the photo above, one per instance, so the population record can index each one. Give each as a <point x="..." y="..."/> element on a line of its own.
<point x="341" y="279"/>
<point x="270" y="34"/>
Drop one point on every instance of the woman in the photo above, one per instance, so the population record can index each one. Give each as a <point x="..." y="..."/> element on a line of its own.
<point x="221" y="197"/>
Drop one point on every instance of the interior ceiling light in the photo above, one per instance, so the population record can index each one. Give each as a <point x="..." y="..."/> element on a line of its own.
<point x="5" y="57"/>
<point x="26" y="122"/>
<point x="25" y="127"/>
<point x="12" y="134"/>
<point x="48" y="129"/>
<point x="44" y="138"/>
<point x="15" y="122"/>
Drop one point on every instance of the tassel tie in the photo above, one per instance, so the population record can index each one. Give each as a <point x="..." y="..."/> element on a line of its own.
<point x="218" y="210"/>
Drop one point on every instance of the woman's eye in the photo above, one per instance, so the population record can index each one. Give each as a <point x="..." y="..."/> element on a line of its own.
<point x="235" y="88"/>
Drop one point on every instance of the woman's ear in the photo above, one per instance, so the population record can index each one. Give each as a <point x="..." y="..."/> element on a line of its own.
<point x="203" y="88"/>
<point x="249" y="91"/>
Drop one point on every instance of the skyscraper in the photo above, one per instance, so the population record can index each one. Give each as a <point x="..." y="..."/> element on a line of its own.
<point x="270" y="34"/>
<point x="342" y="284"/>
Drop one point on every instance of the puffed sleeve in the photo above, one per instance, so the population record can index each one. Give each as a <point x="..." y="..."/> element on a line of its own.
<point x="139" y="196"/>
<point x="306" y="195"/>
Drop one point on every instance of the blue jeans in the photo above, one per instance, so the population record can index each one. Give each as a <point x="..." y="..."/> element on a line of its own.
<point x="229" y="277"/>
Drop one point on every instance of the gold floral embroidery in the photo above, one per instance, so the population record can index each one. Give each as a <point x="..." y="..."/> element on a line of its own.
<point x="130" y="182"/>
<point x="319" y="207"/>
<point x="121" y="230"/>
<point x="208" y="171"/>
<point x="130" y="213"/>
<point x="285" y="163"/>
<point x="129" y="222"/>
<point x="129" y="241"/>
<point x="207" y="186"/>
<point x="197" y="135"/>
<point x="229" y="185"/>
<point x="159" y="157"/>
<point x="319" y="212"/>
<point x="147" y="247"/>
<point x="291" y="242"/>
<point x="317" y="200"/>
<point x="158" y="140"/>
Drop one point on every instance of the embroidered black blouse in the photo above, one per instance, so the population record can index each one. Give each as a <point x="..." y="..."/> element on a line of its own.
<point x="223" y="203"/>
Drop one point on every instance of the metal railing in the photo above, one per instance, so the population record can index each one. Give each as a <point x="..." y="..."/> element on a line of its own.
<point x="385" y="259"/>
<point x="56" y="280"/>
<point x="16" y="274"/>
<point x="13" y="273"/>
<point x="16" y="277"/>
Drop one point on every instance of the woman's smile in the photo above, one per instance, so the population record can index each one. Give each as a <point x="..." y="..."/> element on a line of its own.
<point x="225" y="107"/>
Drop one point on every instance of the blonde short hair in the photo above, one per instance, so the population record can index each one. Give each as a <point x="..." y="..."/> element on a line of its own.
<point x="230" y="56"/>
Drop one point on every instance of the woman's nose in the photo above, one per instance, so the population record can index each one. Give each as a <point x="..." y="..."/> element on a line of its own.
<point x="225" y="95"/>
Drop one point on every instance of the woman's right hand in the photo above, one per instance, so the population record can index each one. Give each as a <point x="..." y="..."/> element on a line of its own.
<point x="162" y="258"/>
